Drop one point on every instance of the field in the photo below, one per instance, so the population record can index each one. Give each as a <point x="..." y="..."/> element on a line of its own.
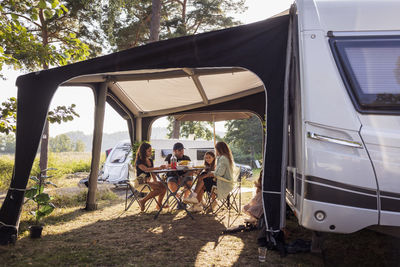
<point x="110" y="236"/>
<point x="66" y="163"/>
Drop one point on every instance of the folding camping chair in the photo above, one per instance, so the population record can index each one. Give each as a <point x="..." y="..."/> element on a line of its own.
<point x="232" y="201"/>
<point x="134" y="191"/>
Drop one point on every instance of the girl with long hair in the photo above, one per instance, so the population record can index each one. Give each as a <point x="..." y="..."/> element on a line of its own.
<point x="255" y="207"/>
<point x="205" y="180"/>
<point x="144" y="164"/>
<point x="223" y="172"/>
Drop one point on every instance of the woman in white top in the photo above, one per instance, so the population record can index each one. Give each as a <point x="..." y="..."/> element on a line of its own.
<point x="223" y="172"/>
<point x="224" y="169"/>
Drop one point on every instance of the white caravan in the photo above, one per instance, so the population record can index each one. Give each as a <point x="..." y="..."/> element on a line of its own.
<point x="343" y="160"/>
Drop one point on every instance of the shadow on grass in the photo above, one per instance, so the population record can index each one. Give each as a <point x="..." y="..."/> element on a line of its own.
<point x="76" y="212"/>
<point x="174" y="239"/>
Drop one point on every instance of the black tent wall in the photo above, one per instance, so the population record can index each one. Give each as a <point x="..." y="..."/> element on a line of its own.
<point x="259" y="47"/>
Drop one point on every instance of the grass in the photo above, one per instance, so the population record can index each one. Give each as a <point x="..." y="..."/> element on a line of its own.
<point x="111" y="237"/>
<point x="66" y="163"/>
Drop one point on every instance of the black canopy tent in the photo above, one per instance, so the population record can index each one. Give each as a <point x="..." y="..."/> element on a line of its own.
<point x="259" y="47"/>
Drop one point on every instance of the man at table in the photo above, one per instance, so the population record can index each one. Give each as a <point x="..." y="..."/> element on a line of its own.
<point x="180" y="177"/>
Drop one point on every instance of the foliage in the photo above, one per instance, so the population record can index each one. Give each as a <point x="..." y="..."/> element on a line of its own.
<point x="60" y="143"/>
<point x="63" y="143"/>
<point x="127" y="23"/>
<point x="8" y="111"/>
<point x="79" y="146"/>
<point x="39" y="34"/>
<point x="8" y="115"/>
<point x="6" y="168"/>
<point x="7" y="144"/>
<point x="36" y="193"/>
<point x="62" y="114"/>
<point x="199" y="129"/>
<point x="245" y="138"/>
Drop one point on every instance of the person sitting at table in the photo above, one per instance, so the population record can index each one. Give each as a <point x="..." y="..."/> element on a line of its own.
<point x="144" y="164"/>
<point x="255" y="207"/>
<point x="205" y="180"/>
<point x="180" y="177"/>
<point x="223" y="169"/>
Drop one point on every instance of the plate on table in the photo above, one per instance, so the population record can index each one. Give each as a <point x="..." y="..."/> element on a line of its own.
<point x="180" y="168"/>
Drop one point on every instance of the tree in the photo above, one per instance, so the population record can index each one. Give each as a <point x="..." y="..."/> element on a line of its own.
<point x="245" y="138"/>
<point x="8" y="116"/>
<point x="127" y="23"/>
<point x="199" y="129"/>
<point x="39" y="34"/>
<point x="155" y="20"/>
<point x="7" y="144"/>
<point x="8" y="111"/>
<point x="79" y="146"/>
<point x="61" y="143"/>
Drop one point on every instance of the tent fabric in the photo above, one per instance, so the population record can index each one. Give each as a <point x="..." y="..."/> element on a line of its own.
<point x="259" y="47"/>
<point x="213" y="116"/>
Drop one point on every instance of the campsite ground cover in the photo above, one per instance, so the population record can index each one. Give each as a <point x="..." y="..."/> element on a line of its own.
<point x="110" y="236"/>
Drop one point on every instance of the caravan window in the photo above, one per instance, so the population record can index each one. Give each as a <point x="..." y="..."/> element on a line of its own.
<point x="165" y="152"/>
<point x="201" y="152"/>
<point x="371" y="71"/>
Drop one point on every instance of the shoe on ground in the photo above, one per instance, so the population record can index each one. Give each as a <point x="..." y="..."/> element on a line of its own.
<point x="181" y="206"/>
<point x="190" y="200"/>
<point x="196" y="208"/>
<point x="209" y="210"/>
<point x="250" y="220"/>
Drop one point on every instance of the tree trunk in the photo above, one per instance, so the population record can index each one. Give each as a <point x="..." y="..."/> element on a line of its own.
<point x="101" y="95"/>
<point x="184" y="4"/>
<point x="44" y="144"/>
<point x="252" y="157"/>
<point x="155" y="20"/>
<point x="176" y="129"/>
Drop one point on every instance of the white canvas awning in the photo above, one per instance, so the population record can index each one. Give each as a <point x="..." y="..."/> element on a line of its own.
<point x="153" y="92"/>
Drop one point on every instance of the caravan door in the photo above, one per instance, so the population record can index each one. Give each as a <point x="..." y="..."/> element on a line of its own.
<point x="371" y="67"/>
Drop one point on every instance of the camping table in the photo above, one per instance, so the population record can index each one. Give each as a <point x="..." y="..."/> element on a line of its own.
<point x="169" y="192"/>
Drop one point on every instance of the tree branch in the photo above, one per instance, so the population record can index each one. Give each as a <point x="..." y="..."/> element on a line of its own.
<point x="22" y="16"/>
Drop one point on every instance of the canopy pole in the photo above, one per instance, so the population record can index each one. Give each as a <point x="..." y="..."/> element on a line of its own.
<point x="101" y="94"/>
<point x="215" y="142"/>
<point x="138" y="129"/>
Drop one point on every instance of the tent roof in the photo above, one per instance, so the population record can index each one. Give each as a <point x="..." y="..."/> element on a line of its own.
<point x="179" y="88"/>
<point x="202" y="72"/>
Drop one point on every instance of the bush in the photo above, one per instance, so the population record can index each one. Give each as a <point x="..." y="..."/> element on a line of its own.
<point x="6" y="169"/>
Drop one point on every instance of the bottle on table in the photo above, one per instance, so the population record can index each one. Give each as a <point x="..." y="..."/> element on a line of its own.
<point x="173" y="162"/>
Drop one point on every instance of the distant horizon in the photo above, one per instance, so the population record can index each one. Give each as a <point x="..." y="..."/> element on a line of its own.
<point x="120" y="131"/>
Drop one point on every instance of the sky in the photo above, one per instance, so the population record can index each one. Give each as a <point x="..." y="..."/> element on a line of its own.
<point x="83" y="97"/>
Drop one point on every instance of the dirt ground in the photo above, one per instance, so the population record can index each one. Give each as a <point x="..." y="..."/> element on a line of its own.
<point x="110" y="236"/>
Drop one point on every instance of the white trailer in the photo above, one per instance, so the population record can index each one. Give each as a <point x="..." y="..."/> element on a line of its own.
<point x="195" y="149"/>
<point x="343" y="142"/>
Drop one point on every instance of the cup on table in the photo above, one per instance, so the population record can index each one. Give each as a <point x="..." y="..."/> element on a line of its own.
<point x="262" y="254"/>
